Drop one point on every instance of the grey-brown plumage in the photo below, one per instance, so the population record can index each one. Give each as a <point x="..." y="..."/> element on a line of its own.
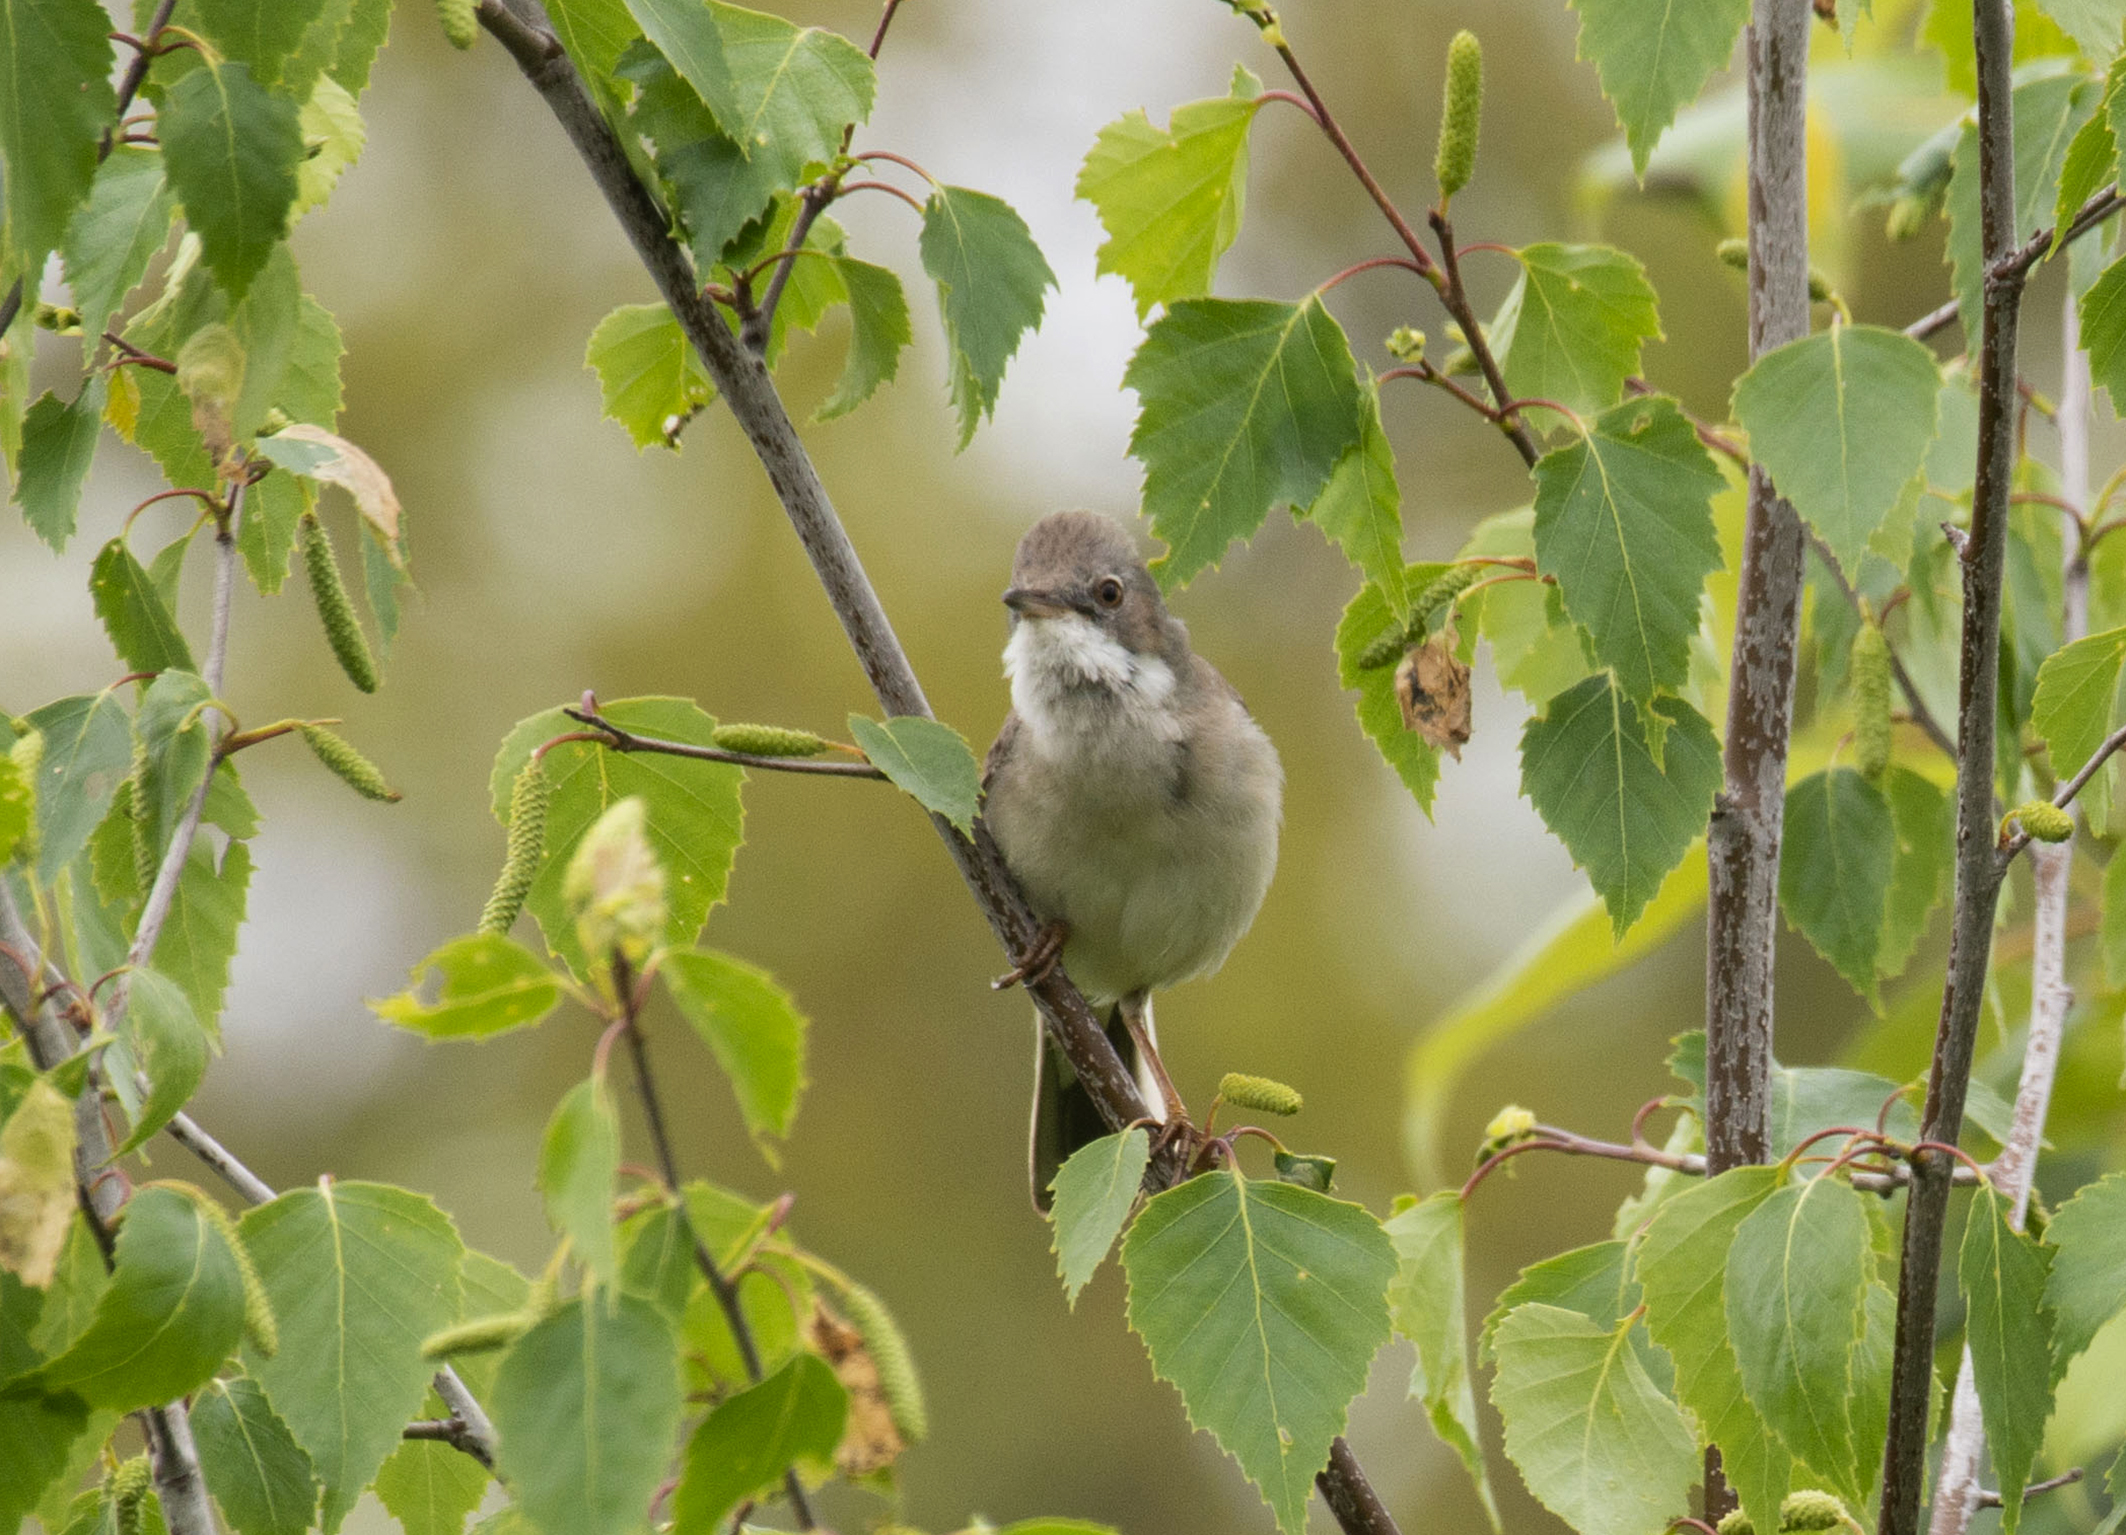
<point x="1131" y="792"/>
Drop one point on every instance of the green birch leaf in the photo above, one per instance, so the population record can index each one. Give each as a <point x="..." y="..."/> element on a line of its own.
<point x="173" y="1312"/>
<point x="332" y="123"/>
<point x="342" y="42"/>
<point x="1837" y="859"/>
<point x="261" y="1477"/>
<point x="1242" y="406"/>
<point x="141" y="628"/>
<point x="744" y="1446"/>
<point x="431" y="1488"/>
<point x="657" y="1258"/>
<point x="116" y="233"/>
<point x="18" y="808"/>
<point x="230" y="148"/>
<point x="926" y="759"/>
<point x="751" y="1026"/>
<point x="687" y="33"/>
<point x="695" y="820"/>
<point x="1586" y="769"/>
<point x="586" y="1405"/>
<point x="1263" y="1303"/>
<point x="167" y="1042"/>
<point x="38" y="1430"/>
<point x="260" y="33"/>
<point x="198" y="939"/>
<point x="1624" y="522"/>
<point x="1797" y="1275"/>
<point x="1573" y="325"/>
<point x="358" y="1274"/>
<point x="1360" y="509"/>
<point x="2087" y="1285"/>
<point x="2008" y="1329"/>
<point x="88" y="750"/>
<point x="1426" y="1298"/>
<point x="647" y="373"/>
<point x="78" y="1282"/>
<point x="2077" y="703"/>
<point x="179" y="753"/>
<point x="793" y="90"/>
<point x="2093" y="24"/>
<point x="2092" y="158"/>
<point x="37" y="1170"/>
<point x="58" y="445"/>
<point x="1653" y="60"/>
<point x="714" y="189"/>
<point x="990" y="279"/>
<point x="1171" y="198"/>
<point x="579" y="1162"/>
<point x="1682" y="1266"/>
<point x="1925" y="821"/>
<point x="1595" y="1280"/>
<point x="55" y="102"/>
<point x="2112" y="932"/>
<point x="878" y="329"/>
<point x="2048" y="112"/>
<point x="489" y="985"/>
<point x="2103" y="331"/>
<point x="595" y="31"/>
<point x="1535" y="648"/>
<point x="1594" y="1439"/>
<point x="1095" y="1190"/>
<point x="1841" y="420"/>
<point x="1368" y="616"/>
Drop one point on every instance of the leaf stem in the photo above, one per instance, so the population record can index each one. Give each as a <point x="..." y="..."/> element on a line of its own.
<point x="1368" y="265"/>
<point x="847" y="187"/>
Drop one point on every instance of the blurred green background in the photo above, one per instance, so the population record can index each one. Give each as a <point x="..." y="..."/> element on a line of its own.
<point x="467" y="258"/>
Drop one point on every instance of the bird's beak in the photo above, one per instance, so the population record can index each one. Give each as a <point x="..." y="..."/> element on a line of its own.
<point x="1028" y="602"/>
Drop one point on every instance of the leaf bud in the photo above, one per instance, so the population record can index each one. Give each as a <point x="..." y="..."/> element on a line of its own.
<point x="1869" y="668"/>
<point x="615" y="887"/>
<point x="481" y="1335"/>
<point x="1458" y="362"/>
<point x="1734" y="252"/>
<point x="888" y="1347"/>
<point x="1406" y="345"/>
<point x="459" y="24"/>
<point x="1736" y="1522"/>
<point x="58" y="319"/>
<point x="1512" y="1123"/>
<point x="2045" y="821"/>
<point x="1811" y="1508"/>
<point x="1907" y="217"/>
<point x="1309" y="1172"/>
<point x="353" y="769"/>
<point x="350" y="647"/>
<point x="528" y="798"/>
<point x="1456" y="159"/>
<point x="1246" y="1092"/>
<point x="767" y="741"/>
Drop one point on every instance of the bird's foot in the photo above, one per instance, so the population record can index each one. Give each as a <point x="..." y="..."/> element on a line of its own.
<point x="1033" y="967"/>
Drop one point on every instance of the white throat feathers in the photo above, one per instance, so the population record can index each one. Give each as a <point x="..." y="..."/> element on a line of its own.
<point x="1073" y="683"/>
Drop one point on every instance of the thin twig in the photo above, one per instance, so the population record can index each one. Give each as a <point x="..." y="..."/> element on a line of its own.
<point x="720" y="1286"/>
<point x="2065" y="794"/>
<point x="619" y="739"/>
<point x="2019" y="261"/>
<point x="1988" y="1498"/>
<point x="1456" y="298"/>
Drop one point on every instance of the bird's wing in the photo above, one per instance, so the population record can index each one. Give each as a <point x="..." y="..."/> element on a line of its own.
<point x="1007" y="734"/>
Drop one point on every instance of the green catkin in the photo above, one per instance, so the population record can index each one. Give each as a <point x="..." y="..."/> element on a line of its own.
<point x="145" y="854"/>
<point x="353" y="769"/>
<point x="1456" y="160"/>
<point x="1246" y="1092"/>
<point x="1433" y="595"/>
<point x="528" y="798"/>
<point x="1812" y="1509"/>
<point x="1869" y="669"/>
<point x="2045" y="821"/>
<point x="349" y="645"/>
<point x="127" y="1486"/>
<point x="767" y="741"/>
<point x="1734" y="252"/>
<point x="261" y="1326"/>
<point x="481" y="1335"/>
<point x="459" y="24"/>
<point x="888" y="1348"/>
<point x="1736" y="1522"/>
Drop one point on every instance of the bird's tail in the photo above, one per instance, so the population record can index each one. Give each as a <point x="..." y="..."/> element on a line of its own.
<point x="1064" y="1114"/>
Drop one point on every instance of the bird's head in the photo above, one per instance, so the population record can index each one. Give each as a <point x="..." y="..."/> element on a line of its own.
<point x="1079" y="586"/>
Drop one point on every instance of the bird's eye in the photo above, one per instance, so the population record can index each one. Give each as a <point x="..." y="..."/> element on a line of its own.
<point x="1109" y="592"/>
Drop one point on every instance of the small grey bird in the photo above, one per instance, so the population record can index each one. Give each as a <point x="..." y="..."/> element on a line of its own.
<point x="1133" y="795"/>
